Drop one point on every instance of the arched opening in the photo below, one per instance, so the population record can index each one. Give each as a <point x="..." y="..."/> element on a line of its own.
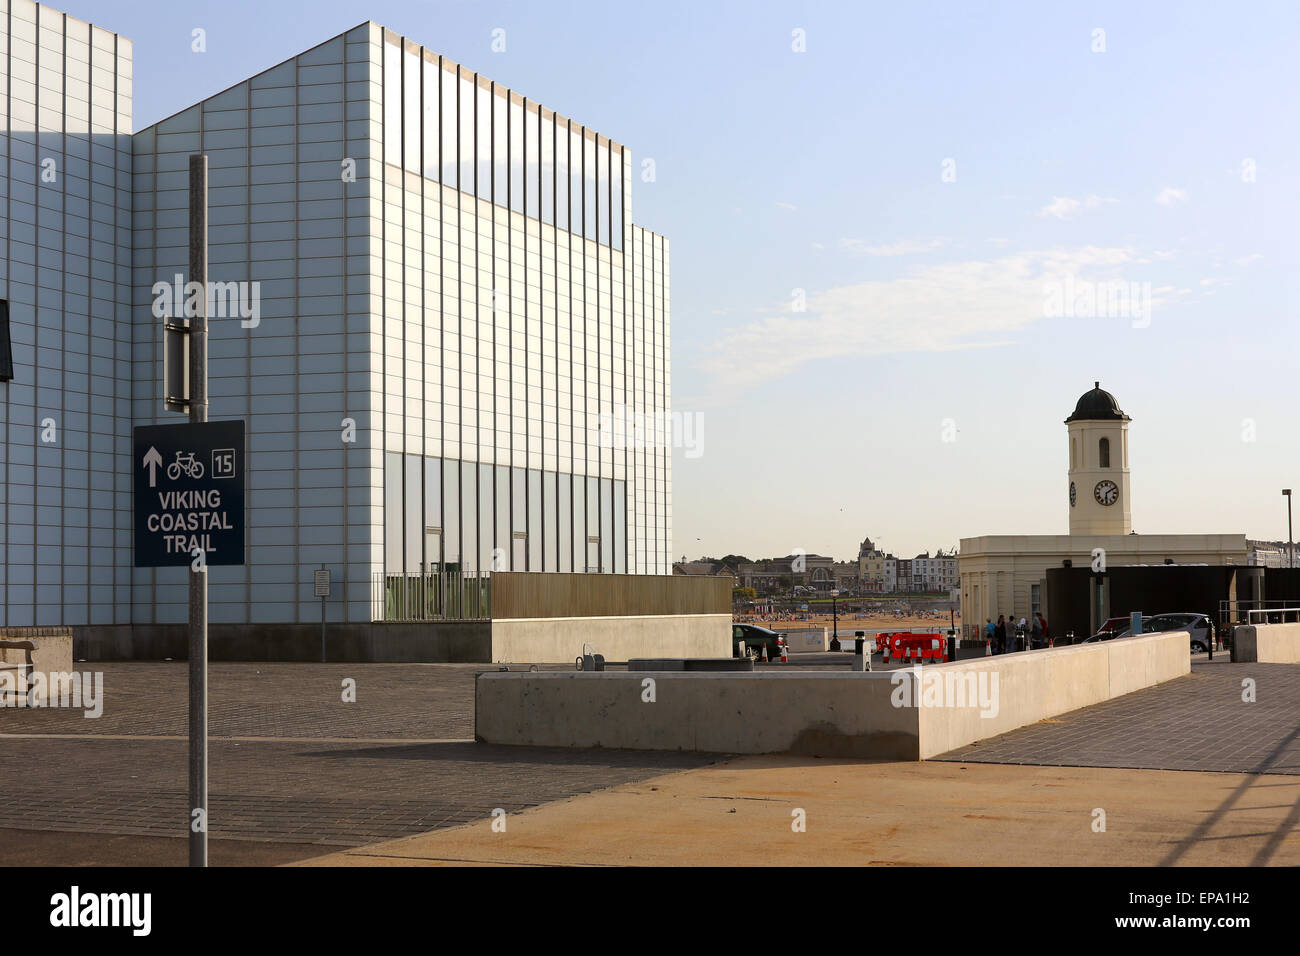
<point x="1103" y="452"/>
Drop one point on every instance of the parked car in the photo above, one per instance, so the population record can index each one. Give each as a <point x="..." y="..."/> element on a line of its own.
<point x="1110" y="629"/>
<point x="750" y="639"/>
<point x="1200" y="627"/>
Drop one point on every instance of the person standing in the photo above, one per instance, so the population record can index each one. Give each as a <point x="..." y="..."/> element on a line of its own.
<point x="1042" y="622"/>
<point x="1036" y="634"/>
<point x="1001" y="635"/>
<point x="990" y="634"/>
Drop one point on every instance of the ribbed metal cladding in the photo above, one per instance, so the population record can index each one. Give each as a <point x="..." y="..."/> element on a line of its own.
<point x="527" y="595"/>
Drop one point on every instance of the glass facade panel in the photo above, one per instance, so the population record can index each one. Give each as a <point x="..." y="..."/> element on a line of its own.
<point x="579" y="524"/>
<point x="483" y="134"/>
<point x="392" y="104"/>
<point x="593" y="524"/>
<point x="413" y="495"/>
<point x="500" y="148"/>
<point x="602" y="193"/>
<point x="447" y="147"/>
<point x="469" y="512"/>
<point x="486" y="537"/>
<point x="503" y="553"/>
<point x="451" y="514"/>
<point x="548" y="168"/>
<point x="431" y="113"/>
<point x="433" y="513"/>
<point x="589" y="187"/>
<point x="516" y="156"/>
<point x="564" y="492"/>
<point x="620" y="527"/>
<point x="616" y="207"/>
<point x="575" y="180"/>
<point x="519" y="520"/>
<point x="534" y="520"/>
<point x="608" y="540"/>
<point x="442" y="122"/>
<point x="466" y="140"/>
<point x="392" y="512"/>
<point x="561" y="174"/>
<point x="532" y="164"/>
<point x="550" y="550"/>
<point x="411" y="110"/>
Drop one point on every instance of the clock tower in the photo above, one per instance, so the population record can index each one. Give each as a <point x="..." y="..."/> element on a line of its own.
<point x="1099" y="485"/>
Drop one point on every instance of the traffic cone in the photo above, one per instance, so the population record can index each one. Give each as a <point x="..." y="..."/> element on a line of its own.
<point x="988" y="649"/>
<point x="763" y="657"/>
<point x="785" y="653"/>
<point x="884" y="659"/>
<point x="1051" y="642"/>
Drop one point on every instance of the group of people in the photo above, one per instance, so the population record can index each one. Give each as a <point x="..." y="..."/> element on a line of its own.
<point x="1007" y="635"/>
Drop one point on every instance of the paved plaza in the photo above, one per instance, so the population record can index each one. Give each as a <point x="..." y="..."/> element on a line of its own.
<point x="297" y="772"/>
<point x="1198" y="722"/>
<point x="289" y="762"/>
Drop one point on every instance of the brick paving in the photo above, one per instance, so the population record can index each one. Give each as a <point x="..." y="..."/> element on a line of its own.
<point x="289" y="762"/>
<point x="1198" y="722"/>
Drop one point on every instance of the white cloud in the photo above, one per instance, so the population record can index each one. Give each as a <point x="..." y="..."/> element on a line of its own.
<point x="785" y="205"/>
<point x="903" y="247"/>
<point x="941" y="307"/>
<point x="1063" y="207"/>
<point x="1169" y="196"/>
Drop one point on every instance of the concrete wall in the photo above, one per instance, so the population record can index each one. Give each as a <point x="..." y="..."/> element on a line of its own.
<point x="53" y="651"/>
<point x="1267" y="643"/>
<point x="559" y="640"/>
<point x="1034" y="685"/>
<point x="833" y="713"/>
<point x="440" y="642"/>
<point x="886" y="714"/>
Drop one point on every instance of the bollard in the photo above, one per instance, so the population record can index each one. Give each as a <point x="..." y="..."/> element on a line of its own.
<point x="861" y="653"/>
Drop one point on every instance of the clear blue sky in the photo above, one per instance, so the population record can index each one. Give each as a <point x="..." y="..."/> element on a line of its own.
<point x="821" y="171"/>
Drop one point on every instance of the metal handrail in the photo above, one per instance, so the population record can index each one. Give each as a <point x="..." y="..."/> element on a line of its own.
<point x="1282" y="611"/>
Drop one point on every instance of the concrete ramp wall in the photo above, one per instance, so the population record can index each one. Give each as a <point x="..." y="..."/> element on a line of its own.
<point x="559" y="640"/>
<point x="907" y="714"/>
<point x="1267" y="643"/>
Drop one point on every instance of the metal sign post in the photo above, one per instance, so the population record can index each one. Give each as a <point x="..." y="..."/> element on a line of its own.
<point x="198" y="340"/>
<point x="321" y="582"/>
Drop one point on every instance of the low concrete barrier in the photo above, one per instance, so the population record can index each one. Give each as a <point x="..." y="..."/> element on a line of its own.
<point x="559" y="640"/>
<point x="1267" y="643"/>
<point x="906" y="714"/>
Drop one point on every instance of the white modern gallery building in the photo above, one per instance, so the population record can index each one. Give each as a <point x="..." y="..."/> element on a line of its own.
<point x="443" y="303"/>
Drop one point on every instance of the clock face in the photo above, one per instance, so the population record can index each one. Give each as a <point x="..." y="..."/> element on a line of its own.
<point x="1106" y="492"/>
<point x="1073" y="494"/>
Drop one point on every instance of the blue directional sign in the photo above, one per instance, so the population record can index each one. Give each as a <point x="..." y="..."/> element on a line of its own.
<point x="189" y="493"/>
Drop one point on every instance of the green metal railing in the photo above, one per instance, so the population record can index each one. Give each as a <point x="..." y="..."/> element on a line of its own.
<point x="437" y="596"/>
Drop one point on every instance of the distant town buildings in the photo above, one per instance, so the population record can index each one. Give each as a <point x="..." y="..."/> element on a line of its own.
<point x="873" y="572"/>
<point x="1267" y="554"/>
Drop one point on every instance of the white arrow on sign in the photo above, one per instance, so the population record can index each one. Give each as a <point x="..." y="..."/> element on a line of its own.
<point x="152" y="461"/>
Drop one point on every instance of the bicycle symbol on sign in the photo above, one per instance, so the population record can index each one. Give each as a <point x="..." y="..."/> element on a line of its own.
<point x="187" y="464"/>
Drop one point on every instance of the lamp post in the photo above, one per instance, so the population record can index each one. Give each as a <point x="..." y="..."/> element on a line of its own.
<point x="835" y="620"/>
<point x="1290" y="548"/>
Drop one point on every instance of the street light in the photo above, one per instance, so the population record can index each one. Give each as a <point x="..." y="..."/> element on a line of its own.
<point x="1290" y="548"/>
<point x="835" y="620"/>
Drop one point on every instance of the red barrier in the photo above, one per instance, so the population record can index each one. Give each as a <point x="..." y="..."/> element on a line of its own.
<point x="914" y="647"/>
